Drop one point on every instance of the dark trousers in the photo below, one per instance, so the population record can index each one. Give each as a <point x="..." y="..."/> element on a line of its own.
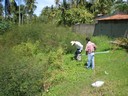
<point x="77" y="53"/>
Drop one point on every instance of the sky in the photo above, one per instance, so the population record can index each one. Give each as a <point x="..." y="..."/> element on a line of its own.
<point x="41" y="4"/>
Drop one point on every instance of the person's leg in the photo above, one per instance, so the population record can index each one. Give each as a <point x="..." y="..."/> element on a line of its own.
<point x="79" y="57"/>
<point x="89" y="61"/>
<point x="79" y="54"/>
<point x="92" y="60"/>
<point x="76" y="55"/>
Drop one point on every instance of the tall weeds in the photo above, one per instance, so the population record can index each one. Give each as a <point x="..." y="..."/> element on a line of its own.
<point x="32" y="57"/>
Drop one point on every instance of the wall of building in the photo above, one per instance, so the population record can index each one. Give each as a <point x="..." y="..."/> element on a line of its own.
<point x="115" y="28"/>
<point x="87" y="29"/>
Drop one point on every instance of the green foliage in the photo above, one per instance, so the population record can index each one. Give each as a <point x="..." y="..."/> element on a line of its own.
<point x="76" y="15"/>
<point x="24" y="33"/>
<point x="56" y="59"/>
<point x="119" y="7"/>
<point x="67" y="17"/>
<point x="4" y="26"/>
<point x="26" y="49"/>
<point x="78" y="79"/>
<point x="54" y="73"/>
<point x="36" y="61"/>
<point x="99" y="42"/>
<point x="21" y="76"/>
<point x="31" y="58"/>
<point x="49" y="15"/>
<point x="48" y="39"/>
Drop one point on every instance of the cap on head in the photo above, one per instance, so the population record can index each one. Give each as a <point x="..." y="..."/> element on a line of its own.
<point x="72" y="42"/>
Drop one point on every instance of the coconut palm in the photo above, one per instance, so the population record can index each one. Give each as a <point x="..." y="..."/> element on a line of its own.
<point x="102" y="6"/>
<point x="119" y="6"/>
<point x="7" y="7"/>
<point x="57" y="2"/>
<point x="30" y="7"/>
<point x="1" y="8"/>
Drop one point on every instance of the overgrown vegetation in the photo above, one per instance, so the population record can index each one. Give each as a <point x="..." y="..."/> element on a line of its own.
<point x="36" y="56"/>
<point x="36" y="61"/>
<point x="32" y="58"/>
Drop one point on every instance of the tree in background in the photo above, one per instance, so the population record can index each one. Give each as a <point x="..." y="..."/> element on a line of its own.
<point x="15" y="10"/>
<point x="119" y="6"/>
<point x="1" y="9"/>
<point x="7" y="8"/>
<point x="30" y="7"/>
<point x="57" y="3"/>
<point x="101" y="7"/>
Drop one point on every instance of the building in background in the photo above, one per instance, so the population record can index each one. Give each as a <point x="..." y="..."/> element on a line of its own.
<point x="112" y="26"/>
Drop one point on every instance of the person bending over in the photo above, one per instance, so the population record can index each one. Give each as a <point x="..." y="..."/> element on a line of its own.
<point x="79" y="48"/>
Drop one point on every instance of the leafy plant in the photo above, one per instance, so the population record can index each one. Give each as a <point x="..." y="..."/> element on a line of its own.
<point x="21" y="76"/>
<point x="4" y="26"/>
<point x="76" y="15"/>
<point x="26" y="49"/>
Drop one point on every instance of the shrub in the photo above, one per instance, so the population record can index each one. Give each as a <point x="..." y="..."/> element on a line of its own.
<point x="55" y="70"/>
<point x="4" y="26"/>
<point x="56" y="59"/>
<point x="21" y="76"/>
<point x="26" y="49"/>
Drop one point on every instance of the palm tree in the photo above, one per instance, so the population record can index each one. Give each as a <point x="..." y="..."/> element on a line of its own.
<point x="101" y="6"/>
<point x="1" y="8"/>
<point x="7" y="7"/>
<point x="119" y="6"/>
<point x="19" y="12"/>
<point x="57" y="2"/>
<point x="30" y="7"/>
<point x="65" y="4"/>
<point x="82" y="2"/>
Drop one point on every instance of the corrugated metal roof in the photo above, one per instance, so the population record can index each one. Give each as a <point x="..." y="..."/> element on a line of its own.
<point x="115" y="17"/>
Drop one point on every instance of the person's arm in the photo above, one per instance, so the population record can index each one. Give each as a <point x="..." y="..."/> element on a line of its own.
<point x="86" y="52"/>
<point x="81" y="48"/>
<point x="95" y="47"/>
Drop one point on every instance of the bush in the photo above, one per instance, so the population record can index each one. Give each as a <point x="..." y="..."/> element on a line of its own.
<point x="4" y="26"/>
<point x="55" y="70"/>
<point x="26" y="49"/>
<point x="22" y="76"/>
<point x="56" y="59"/>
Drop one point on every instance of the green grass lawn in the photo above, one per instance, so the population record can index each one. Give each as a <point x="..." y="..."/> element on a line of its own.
<point x="78" y="79"/>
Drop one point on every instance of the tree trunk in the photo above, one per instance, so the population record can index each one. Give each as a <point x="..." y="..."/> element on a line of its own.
<point x="19" y="13"/>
